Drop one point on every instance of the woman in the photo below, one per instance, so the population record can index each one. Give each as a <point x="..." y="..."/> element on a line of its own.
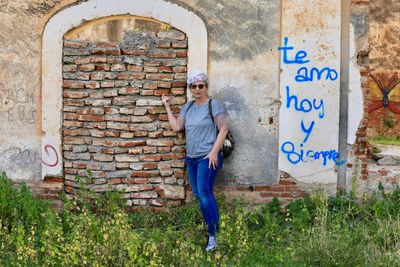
<point x="204" y="139"/>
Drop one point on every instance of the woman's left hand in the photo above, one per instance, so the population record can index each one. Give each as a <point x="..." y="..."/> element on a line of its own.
<point x="212" y="160"/>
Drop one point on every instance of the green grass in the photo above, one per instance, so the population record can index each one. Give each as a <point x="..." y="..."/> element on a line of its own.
<point x="384" y="140"/>
<point x="314" y="231"/>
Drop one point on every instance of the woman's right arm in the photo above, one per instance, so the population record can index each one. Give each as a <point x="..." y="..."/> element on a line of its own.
<point x="176" y="123"/>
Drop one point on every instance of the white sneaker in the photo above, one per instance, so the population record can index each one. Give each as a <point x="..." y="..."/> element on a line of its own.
<point x="212" y="243"/>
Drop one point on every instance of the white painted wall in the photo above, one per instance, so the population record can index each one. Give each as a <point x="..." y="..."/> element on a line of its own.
<point x="312" y="29"/>
<point x="59" y="24"/>
<point x="356" y="102"/>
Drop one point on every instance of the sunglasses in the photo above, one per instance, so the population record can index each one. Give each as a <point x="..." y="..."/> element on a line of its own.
<point x="194" y="86"/>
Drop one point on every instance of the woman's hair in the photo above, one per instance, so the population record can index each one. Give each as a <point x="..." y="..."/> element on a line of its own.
<point x="197" y="77"/>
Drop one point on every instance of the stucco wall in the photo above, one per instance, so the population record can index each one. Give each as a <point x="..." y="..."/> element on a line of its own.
<point x="243" y="65"/>
<point x="310" y="88"/>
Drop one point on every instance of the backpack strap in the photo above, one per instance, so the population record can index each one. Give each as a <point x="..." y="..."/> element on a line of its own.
<point x="190" y="105"/>
<point x="210" y="110"/>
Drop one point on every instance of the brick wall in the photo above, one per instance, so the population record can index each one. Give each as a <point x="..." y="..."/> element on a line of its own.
<point x="116" y="134"/>
<point x="377" y="60"/>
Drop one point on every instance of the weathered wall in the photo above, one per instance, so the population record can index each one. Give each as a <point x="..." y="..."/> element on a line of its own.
<point x="373" y="23"/>
<point x="249" y="50"/>
<point x="384" y="107"/>
<point x="243" y="66"/>
<point x="310" y="86"/>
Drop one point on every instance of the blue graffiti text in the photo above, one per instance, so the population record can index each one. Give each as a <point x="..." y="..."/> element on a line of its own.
<point x="305" y="105"/>
<point x="306" y="75"/>
<point x="299" y="58"/>
<point x="307" y="130"/>
<point x="303" y="155"/>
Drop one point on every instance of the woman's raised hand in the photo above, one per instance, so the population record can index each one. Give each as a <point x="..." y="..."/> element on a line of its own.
<point x="166" y="99"/>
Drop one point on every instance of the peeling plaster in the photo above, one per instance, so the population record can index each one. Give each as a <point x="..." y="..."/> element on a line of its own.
<point x="356" y="101"/>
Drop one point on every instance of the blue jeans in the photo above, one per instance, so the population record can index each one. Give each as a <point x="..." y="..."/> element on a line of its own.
<point x="201" y="179"/>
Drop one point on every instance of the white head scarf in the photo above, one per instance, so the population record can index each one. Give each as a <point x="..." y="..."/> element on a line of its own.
<point x="197" y="77"/>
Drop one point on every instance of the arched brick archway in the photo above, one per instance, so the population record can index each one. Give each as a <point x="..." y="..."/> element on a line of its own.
<point x="52" y="45"/>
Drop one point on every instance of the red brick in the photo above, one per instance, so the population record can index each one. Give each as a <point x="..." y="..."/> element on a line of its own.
<point x="75" y="44"/>
<point x="173" y="156"/>
<point x="134" y="68"/>
<point x="383" y="172"/>
<point x="286" y="195"/>
<point x="67" y="84"/>
<point x="286" y="182"/>
<point x="150" y="158"/>
<point x="90" y="118"/>
<point x="53" y="180"/>
<point x="146" y="174"/>
<point x="178" y="173"/>
<point x="139" y="180"/>
<point x="149" y="166"/>
<point x="178" y="91"/>
<point x="163" y="117"/>
<point x="158" y="76"/>
<point x="181" y="53"/>
<point x="113" y="133"/>
<point x="164" y="149"/>
<point x="75" y="94"/>
<point x="107" y="150"/>
<point x="78" y="132"/>
<point x="114" y="181"/>
<point x="72" y="123"/>
<point x="140" y="133"/>
<point x="70" y="116"/>
<point x="134" y="52"/>
<point x="159" y="142"/>
<point x="161" y="92"/>
<point x="132" y="143"/>
<point x="147" y="92"/>
<point x="164" y="44"/>
<point x="70" y="68"/>
<point x="92" y="85"/>
<point x="87" y="67"/>
<point x="270" y="194"/>
<point x="102" y="67"/>
<point x="84" y="60"/>
<point x="165" y="69"/>
<point x="79" y="165"/>
<point x="131" y="76"/>
<point x="156" y="110"/>
<point x="162" y="54"/>
<point x="163" y="84"/>
<point x="179" y="69"/>
<point x="179" y="44"/>
<point x="150" y="150"/>
<point x="98" y="59"/>
<point x="178" y="84"/>
<point x="70" y="171"/>
<point x="135" y="151"/>
<point x="69" y="189"/>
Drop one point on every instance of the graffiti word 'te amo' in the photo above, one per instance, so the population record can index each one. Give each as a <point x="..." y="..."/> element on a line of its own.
<point x="305" y="105"/>
<point x="302" y="155"/>
<point x="304" y="74"/>
<point x="20" y="156"/>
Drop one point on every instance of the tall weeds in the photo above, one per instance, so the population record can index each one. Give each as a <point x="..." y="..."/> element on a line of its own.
<point x="98" y="231"/>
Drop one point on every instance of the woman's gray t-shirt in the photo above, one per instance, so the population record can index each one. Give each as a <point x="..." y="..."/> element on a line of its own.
<point x="200" y="130"/>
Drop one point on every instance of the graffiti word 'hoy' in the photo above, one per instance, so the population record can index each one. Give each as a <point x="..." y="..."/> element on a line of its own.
<point x="305" y="105"/>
